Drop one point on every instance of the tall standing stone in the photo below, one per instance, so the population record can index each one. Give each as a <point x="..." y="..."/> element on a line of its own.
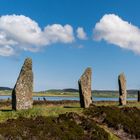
<point x="122" y="89"/>
<point x="22" y="92"/>
<point x="85" y="88"/>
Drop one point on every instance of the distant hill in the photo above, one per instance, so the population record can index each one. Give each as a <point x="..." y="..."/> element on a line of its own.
<point x="5" y="88"/>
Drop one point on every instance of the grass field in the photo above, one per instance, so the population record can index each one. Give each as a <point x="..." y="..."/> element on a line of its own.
<point x="6" y="111"/>
<point x="42" y="108"/>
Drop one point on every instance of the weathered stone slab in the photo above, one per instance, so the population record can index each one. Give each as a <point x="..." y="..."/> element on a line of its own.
<point x="22" y="92"/>
<point x="122" y="89"/>
<point x="85" y="88"/>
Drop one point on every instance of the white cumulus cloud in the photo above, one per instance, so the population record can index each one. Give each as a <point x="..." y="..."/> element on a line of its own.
<point x="18" y="32"/>
<point x="81" y="34"/>
<point x="58" y="33"/>
<point x="117" y="31"/>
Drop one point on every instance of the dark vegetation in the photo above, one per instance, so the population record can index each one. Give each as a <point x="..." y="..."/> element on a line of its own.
<point x="69" y="126"/>
<point x="61" y="102"/>
<point x="5" y="103"/>
<point x="126" y="118"/>
<point x="98" y="122"/>
<point x="41" y="102"/>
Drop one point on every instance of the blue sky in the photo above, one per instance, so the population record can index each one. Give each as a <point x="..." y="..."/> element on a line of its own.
<point x="59" y="64"/>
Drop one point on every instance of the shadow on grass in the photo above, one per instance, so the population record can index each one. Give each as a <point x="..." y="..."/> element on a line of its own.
<point x="71" y="107"/>
<point x="6" y="110"/>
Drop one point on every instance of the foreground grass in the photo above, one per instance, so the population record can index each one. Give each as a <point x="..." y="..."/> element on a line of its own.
<point x="111" y="135"/>
<point x="38" y="110"/>
<point x="42" y="109"/>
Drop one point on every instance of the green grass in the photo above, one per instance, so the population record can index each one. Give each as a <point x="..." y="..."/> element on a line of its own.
<point x="9" y="114"/>
<point x="38" y="110"/>
<point x="52" y="110"/>
<point x="116" y="103"/>
<point x="111" y="135"/>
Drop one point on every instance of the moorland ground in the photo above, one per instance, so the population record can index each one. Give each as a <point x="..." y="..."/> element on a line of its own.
<point x="62" y="120"/>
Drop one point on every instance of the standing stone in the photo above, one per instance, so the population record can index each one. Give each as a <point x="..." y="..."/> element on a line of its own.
<point x="85" y="88"/>
<point x="22" y="92"/>
<point x="138" y="96"/>
<point x="122" y="89"/>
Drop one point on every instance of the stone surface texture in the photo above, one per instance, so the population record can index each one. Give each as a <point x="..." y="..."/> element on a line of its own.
<point x="85" y="88"/>
<point x="122" y="89"/>
<point x="22" y="92"/>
